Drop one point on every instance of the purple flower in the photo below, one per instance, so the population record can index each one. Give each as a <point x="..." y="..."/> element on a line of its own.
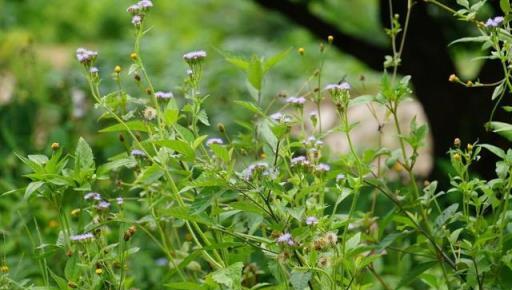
<point x="103" y="205"/>
<point x="138" y="153"/>
<point x="161" y="262"/>
<point x="255" y="168"/>
<point x="194" y="56"/>
<point x="277" y="116"/>
<point x="322" y="167"/>
<point x="336" y="88"/>
<point x="92" y="195"/>
<point x="86" y="56"/>
<point x="119" y="200"/>
<point x="300" y="160"/>
<point x="285" y="238"/>
<point x="311" y="220"/>
<point x="494" y="22"/>
<point x="211" y="141"/>
<point x="345" y="86"/>
<point x="82" y="237"/>
<point x="299" y="101"/>
<point x="137" y="20"/>
<point x="340" y="177"/>
<point x="93" y="70"/>
<point x="145" y="4"/>
<point x="164" y="95"/>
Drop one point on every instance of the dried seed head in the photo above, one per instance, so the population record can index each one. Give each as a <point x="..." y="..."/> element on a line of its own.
<point x="456" y="142"/>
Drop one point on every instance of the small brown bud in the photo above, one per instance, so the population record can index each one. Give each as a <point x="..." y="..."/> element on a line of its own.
<point x="72" y="285"/>
<point x="55" y="146"/>
<point x="149" y="91"/>
<point x="136" y="77"/>
<point x="456" y="142"/>
<point x="469" y="83"/>
<point x="121" y="137"/>
<point x="134" y="56"/>
<point x="4" y="269"/>
<point x="221" y="128"/>
<point x="69" y="253"/>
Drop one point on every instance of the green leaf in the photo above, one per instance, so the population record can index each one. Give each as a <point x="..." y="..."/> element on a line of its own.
<point x="179" y="146"/>
<point x="231" y="277"/>
<point x="71" y="271"/>
<point x="84" y="159"/>
<point x="273" y="60"/>
<point x="498" y="90"/>
<point x="448" y="213"/>
<point x="255" y="73"/>
<point x="463" y="3"/>
<point x="238" y="62"/>
<point x="184" y="213"/>
<point x="300" y="280"/>
<point x="61" y="282"/>
<point x="135" y="125"/>
<point x="171" y="116"/>
<point x="502" y="129"/>
<point x="251" y="107"/>
<point x="411" y="275"/>
<point x="470" y="39"/>
<point x="505" y="6"/>
<point x="495" y="150"/>
<point x="31" y="188"/>
<point x="150" y="174"/>
<point x="220" y="151"/>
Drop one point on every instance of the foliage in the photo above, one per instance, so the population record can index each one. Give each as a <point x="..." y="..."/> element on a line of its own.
<point x="265" y="207"/>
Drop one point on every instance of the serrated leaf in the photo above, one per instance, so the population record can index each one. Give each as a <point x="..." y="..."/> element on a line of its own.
<point x="150" y="174"/>
<point x="171" y="116"/>
<point x="179" y="146"/>
<point x="255" y="73"/>
<point x="300" y="280"/>
<point x="273" y="60"/>
<point x="448" y="213"/>
<point x="84" y="159"/>
<point x="505" y="6"/>
<point x="251" y="107"/>
<point x="231" y="277"/>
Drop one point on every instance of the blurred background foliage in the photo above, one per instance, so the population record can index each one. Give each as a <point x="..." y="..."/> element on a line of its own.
<point x="43" y="98"/>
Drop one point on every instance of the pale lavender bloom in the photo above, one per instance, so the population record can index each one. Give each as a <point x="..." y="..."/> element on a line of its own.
<point x="138" y="153"/>
<point x="102" y="205"/>
<point x="319" y="143"/>
<point x="194" y="56"/>
<point x="85" y="56"/>
<point x="137" y="20"/>
<point x="145" y="4"/>
<point x="301" y="160"/>
<point x="285" y="238"/>
<point x="345" y="86"/>
<point x="92" y="195"/>
<point x="494" y="22"/>
<point x="313" y="115"/>
<point x="93" y="70"/>
<point x="119" y="200"/>
<point x="340" y="177"/>
<point x="296" y="100"/>
<point x="133" y="9"/>
<point x="82" y="237"/>
<point x="211" y="141"/>
<point x="322" y="167"/>
<point x="189" y="72"/>
<point x="311" y="220"/>
<point x="161" y="262"/>
<point x="277" y="116"/>
<point x="164" y="95"/>
<point x="255" y="168"/>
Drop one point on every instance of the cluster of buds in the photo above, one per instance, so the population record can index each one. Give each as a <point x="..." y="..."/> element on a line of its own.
<point x="129" y="233"/>
<point x="339" y="93"/>
<point x="314" y="148"/>
<point x="4" y="269"/>
<point x="285" y="239"/>
<point x="194" y="57"/>
<point x="329" y="239"/>
<point x="101" y="205"/>
<point x="281" y="118"/>
<point x="164" y="95"/>
<point x="296" y="101"/>
<point x="137" y="11"/>
<point x="212" y="141"/>
<point x="137" y="153"/>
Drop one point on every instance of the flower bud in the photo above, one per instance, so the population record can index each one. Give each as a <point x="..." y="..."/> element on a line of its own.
<point x="456" y="142"/>
<point x="330" y="39"/>
<point x="453" y="78"/>
<point x="133" y="56"/>
<point x="221" y="128"/>
<point x="470" y="147"/>
<point x="301" y="51"/>
<point x="4" y="269"/>
<point x="55" y="146"/>
<point x="117" y="69"/>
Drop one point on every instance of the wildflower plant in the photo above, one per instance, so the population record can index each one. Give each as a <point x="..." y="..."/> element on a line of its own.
<point x="269" y="208"/>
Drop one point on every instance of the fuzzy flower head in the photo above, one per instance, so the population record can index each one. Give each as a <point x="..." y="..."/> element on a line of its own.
<point x="134" y="9"/>
<point x="137" y="20"/>
<point x="211" y="141"/>
<point x="331" y="238"/>
<point x="255" y="169"/>
<point x="322" y="168"/>
<point x="164" y="95"/>
<point x="281" y="118"/>
<point x="149" y="113"/>
<point x="85" y="56"/>
<point x="340" y="177"/>
<point x="194" y="56"/>
<point x="494" y="22"/>
<point x="311" y="220"/>
<point x="119" y="200"/>
<point x="336" y="89"/>
<point x="299" y="161"/>
<point x="82" y="238"/>
<point x="93" y="70"/>
<point x="145" y="4"/>
<point x="298" y="101"/>
<point x="103" y="205"/>
<point x="137" y="153"/>
<point x="285" y="239"/>
<point x="92" y="196"/>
